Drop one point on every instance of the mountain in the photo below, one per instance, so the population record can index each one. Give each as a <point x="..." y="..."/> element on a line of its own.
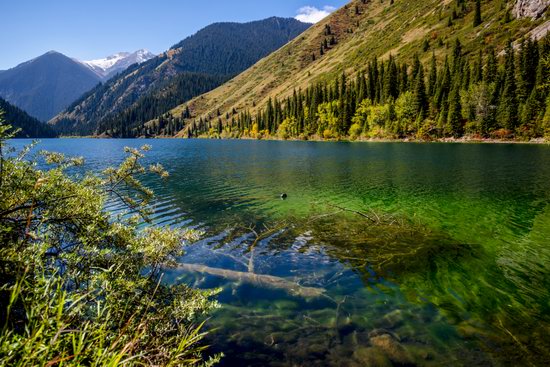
<point x="28" y="125"/>
<point x="46" y="85"/>
<point x="218" y="52"/>
<point x="348" y="41"/>
<point x="111" y="65"/>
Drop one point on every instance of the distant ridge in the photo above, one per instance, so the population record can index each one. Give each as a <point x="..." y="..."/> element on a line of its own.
<point x="144" y="91"/>
<point x="46" y="85"/>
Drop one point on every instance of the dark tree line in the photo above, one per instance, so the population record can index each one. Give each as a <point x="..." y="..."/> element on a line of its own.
<point x="480" y="95"/>
<point x="166" y="125"/>
<point x="28" y="126"/>
<point x="131" y="122"/>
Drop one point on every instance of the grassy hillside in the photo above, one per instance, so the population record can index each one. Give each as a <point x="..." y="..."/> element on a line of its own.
<point x="364" y="30"/>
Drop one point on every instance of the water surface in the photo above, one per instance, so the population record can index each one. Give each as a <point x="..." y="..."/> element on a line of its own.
<point x="416" y="254"/>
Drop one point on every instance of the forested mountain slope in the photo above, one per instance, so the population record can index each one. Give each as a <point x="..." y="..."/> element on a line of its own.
<point x="413" y="34"/>
<point x="46" y="85"/>
<point x="28" y="126"/>
<point x="200" y="63"/>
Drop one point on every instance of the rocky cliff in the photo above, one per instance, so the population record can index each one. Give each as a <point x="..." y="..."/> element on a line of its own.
<point x="530" y="8"/>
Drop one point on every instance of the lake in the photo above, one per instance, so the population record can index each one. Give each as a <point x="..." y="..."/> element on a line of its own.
<point x="382" y="253"/>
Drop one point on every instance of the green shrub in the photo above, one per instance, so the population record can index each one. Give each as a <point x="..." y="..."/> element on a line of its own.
<point x="79" y="287"/>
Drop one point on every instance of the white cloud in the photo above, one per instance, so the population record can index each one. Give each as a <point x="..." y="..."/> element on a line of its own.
<point x="310" y="14"/>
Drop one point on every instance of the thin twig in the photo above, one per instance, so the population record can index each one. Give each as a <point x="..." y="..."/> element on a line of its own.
<point x="364" y="215"/>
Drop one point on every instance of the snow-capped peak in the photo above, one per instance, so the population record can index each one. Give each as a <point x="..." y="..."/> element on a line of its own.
<point x="143" y="55"/>
<point x="113" y="64"/>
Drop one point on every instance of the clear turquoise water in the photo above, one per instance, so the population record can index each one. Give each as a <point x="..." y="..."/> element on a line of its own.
<point x="453" y="270"/>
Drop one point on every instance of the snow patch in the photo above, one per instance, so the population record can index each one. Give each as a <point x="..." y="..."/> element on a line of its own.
<point x="113" y="64"/>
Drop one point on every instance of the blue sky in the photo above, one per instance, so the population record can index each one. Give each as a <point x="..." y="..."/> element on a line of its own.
<point x="93" y="29"/>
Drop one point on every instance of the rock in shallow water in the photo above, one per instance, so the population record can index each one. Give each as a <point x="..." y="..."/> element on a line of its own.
<point x="396" y="352"/>
<point x="393" y="319"/>
<point x="379" y="332"/>
<point x="371" y="357"/>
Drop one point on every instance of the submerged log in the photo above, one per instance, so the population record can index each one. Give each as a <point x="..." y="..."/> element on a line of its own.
<point x="261" y="280"/>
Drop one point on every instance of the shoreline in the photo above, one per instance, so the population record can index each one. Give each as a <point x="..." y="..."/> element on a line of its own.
<point x="462" y="140"/>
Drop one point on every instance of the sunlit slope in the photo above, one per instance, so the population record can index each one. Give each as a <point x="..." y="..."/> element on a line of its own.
<point x="364" y="30"/>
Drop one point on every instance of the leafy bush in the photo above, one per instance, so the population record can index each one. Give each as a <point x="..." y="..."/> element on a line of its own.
<point x="79" y="287"/>
<point x="355" y="131"/>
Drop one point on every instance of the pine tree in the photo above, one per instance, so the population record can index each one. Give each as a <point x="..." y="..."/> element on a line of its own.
<point x="477" y="15"/>
<point x="391" y="83"/>
<point x="373" y="80"/>
<point x="425" y="45"/>
<point x="415" y="68"/>
<point x="466" y="76"/>
<point x="477" y="76"/>
<point x="508" y="100"/>
<point x="420" y="98"/>
<point x="457" y="58"/>
<point x="432" y="79"/>
<point x="403" y="79"/>
<point x="528" y="68"/>
<point x="507" y="17"/>
<point x="444" y="88"/>
<point x="380" y="86"/>
<point x="546" y="119"/>
<point x="454" y="118"/>
<point x="361" y="88"/>
<point x="531" y="112"/>
<point x="343" y="85"/>
<point x="491" y="67"/>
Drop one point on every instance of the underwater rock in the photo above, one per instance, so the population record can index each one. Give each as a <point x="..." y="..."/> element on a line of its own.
<point x="393" y="349"/>
<point x="361" y="338"/>
<point x="317" y="350"/>
<point x="340" y="355"/>
<point x="346" y="326"/>
<point x="393" y="319"/>
<point x="421" y="352"/>
<point x="379" y="332"/>
<point x="310" y="347"/>
<point x="372" y="357"/>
